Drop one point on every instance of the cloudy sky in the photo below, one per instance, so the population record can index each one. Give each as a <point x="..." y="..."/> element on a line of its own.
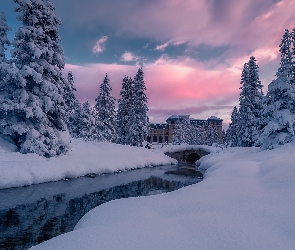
<point x="192" y="51"/>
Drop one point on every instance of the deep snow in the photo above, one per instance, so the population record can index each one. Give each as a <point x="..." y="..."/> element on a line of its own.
<point x="246" y="201"/>
<point x="85" y="157"/>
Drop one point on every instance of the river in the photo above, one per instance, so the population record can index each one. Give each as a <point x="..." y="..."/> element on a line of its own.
<point x="30" y="215"/>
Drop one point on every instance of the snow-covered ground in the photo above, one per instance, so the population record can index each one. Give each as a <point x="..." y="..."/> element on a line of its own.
<point x="85" y="157"/>
<point x="246" y="201"/>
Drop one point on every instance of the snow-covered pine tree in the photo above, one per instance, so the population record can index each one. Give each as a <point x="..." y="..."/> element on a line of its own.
<point x="231" y="137"/>
<point x="194" y="135"/>
<point x="5" y="66"/>
<point x="279" y="112"/>
<point x="210" y="135"/>
<point x="222" y="140"/>
<point x="3" y="37"/>
<point x="74" y="120"/>
<point x="251" y="105"/>
<point x="123" y="114"/>
<point x="105" y="110"/>
<point x="33" y="102"/>
<point x="139" y="121"/>
<point x="215" y="137"/>
<point x="179" y="133"/>
<point x="69" y="95"/>
<point x="87" y="126"/>
<point x="4" y="42"/>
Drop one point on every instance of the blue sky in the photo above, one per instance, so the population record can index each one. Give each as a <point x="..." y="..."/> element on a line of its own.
<point x="191" y="51"/>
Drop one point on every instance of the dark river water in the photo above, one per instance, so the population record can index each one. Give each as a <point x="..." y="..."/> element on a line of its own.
<point x="30" y="215"/>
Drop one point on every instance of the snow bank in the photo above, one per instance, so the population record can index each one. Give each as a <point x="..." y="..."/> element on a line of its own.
<point x="246" y="201"/>
<point x="85" y="157"/>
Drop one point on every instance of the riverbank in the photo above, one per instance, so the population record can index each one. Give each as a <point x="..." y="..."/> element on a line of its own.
<point x="84" y="158"/>
<point x="246" y="201"/>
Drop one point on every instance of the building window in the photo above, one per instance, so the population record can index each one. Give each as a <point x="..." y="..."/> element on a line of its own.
<point x="160" y="139"/>
<point x="166" y="139"/>
<point x="155" y="139"/>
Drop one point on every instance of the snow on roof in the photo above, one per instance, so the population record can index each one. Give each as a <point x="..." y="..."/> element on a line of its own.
<point x="174" y="117"/>
<point x="212" y="117"/>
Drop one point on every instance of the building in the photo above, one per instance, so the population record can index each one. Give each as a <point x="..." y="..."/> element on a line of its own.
<point x="163" y="132"/>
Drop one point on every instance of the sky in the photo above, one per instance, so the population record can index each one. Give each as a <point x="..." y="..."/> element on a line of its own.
<point x="192" y="51"/>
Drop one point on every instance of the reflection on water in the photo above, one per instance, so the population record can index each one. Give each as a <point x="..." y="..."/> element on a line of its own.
<point x="33" y="214"/>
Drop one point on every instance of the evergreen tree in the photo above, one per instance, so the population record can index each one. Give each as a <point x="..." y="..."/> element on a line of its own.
<point x="251" y="105"/>
<point x="3" y="37"/>
<point x="32" y="101"/>
<point x="74" y="120"/>
<point x="124" y="107"/>
<point x="179" y="133"/>
<point x="87" y="126"/>
<point x="202" y="135"/>
<point x="139" y="121"/>
<point x="232" y="131"/>
<point x="223" y="136"/>
<point x="4" y="64"/>
<point x="105" y="110"/>
<point x="279" y="111"/>
<point x="69" y="95"/>
<point x="215" y="136"/>
<point x="194" y="138"/>
<point x="211" y="135"/>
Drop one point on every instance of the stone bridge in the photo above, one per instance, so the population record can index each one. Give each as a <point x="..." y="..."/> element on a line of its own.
<point x="190" y="156"/>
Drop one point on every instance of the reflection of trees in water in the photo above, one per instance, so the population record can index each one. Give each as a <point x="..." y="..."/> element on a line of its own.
<point x="29" y="224"/>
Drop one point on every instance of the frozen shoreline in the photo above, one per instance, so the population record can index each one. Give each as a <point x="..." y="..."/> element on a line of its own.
<point x="84" y="158"/>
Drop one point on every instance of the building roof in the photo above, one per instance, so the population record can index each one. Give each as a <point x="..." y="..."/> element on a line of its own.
<point x="214" y="118"/>
<point x="159" y="126"/>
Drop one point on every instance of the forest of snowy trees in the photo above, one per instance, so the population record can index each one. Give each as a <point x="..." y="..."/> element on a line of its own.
<point x="39" y="111"/>
<point x="38" y="108"/>
<point x="268" y="120"/>
<point x="260" y="120"/>
<point x="128" y="125"/>
<point x="187" y="133"/>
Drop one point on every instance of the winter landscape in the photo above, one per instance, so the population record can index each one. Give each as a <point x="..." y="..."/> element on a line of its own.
<point x="87" y="161"/>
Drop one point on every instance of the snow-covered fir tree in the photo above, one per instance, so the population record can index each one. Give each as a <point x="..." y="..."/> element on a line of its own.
<point x="251" y="105"/>
<point x="194" y="135"/>
<point x="105" y="111"/>
<point x="231" y="137"/>
<point x="87" y="125"/>
<point x="4" y="42"/>
<point x="212" y="135"/>
<point x="69" y="95"/>
<point x="279" y="113"/>
<point x="223" y="135"/>
<point x="139" y="121"/>
<point x="74" y="120"/>
<point x="124" y="114"/>
<point x="33" y="96"/>
<point x="180" y="132"/>
<point x="202" y="135"/>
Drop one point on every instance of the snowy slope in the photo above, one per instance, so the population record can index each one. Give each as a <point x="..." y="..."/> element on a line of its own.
<point x="85" y="157"/>
<point x="246" y="201"/>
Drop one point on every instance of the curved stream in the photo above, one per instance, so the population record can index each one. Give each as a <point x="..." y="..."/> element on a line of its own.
<point x="33" y="214"/>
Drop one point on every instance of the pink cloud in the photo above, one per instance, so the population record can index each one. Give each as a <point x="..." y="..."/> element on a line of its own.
<point x="128" y="56"/>
<point x="172" y="85"/>
<point x="99" y="45"/>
